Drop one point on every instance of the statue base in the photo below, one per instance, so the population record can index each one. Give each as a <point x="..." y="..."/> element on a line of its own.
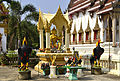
<point x="96" y="70"/>
<point x="52" y="72"/>
<point x="24" y="75"/>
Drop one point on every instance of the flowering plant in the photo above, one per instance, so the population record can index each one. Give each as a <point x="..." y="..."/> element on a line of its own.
<point x="41" y="50"/>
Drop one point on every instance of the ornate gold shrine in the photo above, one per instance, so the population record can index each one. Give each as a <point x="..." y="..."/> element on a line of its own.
<point x="61" y="21"/>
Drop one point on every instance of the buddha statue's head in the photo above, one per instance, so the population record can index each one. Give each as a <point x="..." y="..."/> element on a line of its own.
<point x="53" y="31"/>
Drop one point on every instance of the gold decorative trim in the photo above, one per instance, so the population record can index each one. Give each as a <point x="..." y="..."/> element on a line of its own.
<point x="74" y="31"/>
<point x="88" y="30"/>
<point x="57" y="16"/>
<point x="82" y="33"/>
<point x="40" y="24"/>
<point x="96" y="25"/>
<point x="81" y="30"/>
<point x="88" y="27"/>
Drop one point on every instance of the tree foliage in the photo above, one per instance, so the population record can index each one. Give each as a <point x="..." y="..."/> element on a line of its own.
<point x="18" y="29"/>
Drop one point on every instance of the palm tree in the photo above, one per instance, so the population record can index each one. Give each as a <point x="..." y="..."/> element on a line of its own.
<point x="16" y="25"/>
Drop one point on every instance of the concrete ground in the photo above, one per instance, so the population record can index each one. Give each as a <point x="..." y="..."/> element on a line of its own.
<point x="8" y="73"/>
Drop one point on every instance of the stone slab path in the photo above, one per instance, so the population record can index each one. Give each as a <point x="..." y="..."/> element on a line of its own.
<point x="8" y="73"/>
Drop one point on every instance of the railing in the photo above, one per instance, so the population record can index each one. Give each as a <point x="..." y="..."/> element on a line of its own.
<point x="103" y="63"/>
<point x="13" y="61"/>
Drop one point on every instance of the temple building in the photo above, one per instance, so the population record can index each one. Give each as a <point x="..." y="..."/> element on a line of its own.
<point x="3" y="27"/>
<point x="94" y="20"/>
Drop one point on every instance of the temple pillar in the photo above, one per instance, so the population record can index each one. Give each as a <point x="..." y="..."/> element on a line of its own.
<point x="41" y="39"/>
<point x="114" y="30"/>
<point x="119" y="31"/>
<point x="47" y="39"/>
<point x="66" y="39"/>
<point x="47" y="31"/>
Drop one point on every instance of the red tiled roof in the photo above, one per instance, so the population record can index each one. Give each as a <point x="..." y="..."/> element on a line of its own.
<point x="105" y="8"/>
<point x="94" y="7"/>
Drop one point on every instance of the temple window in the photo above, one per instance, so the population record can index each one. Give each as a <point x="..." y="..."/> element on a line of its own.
<point x="73" y="38"/>
<point x="80" y="37"/>
<point x="96" y="31"/>
<point x="80" y="33"/>
<point x="88" y="34"/>
<point x="95" y="34"/>
<point x="74" y="35"/>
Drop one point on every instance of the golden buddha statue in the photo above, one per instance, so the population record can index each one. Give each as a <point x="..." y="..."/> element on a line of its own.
<point x="55" y="41"/>
<point x="53" y="38"/>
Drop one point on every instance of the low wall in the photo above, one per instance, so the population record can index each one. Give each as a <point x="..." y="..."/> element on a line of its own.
<point x="86" y="51"/>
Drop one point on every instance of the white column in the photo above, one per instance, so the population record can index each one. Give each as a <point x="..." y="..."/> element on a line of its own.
<point x="4" y="43"/>
<point x="119" y="31"/>
<point x="114" y="30"/>
<point x="41" y="39"/>
<point x="47" y="39"/>
<point x="66" y="40"/>
<point x="71" y="38"/>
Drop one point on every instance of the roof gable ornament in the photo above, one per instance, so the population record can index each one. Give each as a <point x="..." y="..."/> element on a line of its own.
<point x="40" y="24"/>
<point x="81" y="30"/>
<point x="74" y="31"/>
<point x="88" y="27"/>
<point x="96" y="25"/>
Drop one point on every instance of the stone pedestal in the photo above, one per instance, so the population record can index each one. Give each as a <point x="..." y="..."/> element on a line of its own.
<point x="96" y="70"/>
<point x="52" y="72"/>
<point x="79" y="73"/>
<point x="24" y="75"/>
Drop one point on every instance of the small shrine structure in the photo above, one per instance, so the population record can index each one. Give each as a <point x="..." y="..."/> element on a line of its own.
<point x="62" y="23"/>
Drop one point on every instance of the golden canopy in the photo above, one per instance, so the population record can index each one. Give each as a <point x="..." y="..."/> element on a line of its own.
<point x="58" y="19"/>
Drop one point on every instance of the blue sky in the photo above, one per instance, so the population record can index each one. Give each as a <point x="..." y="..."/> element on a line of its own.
<point x="47" y="5"/>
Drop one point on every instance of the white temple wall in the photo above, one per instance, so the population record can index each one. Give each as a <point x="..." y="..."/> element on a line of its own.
<point x="101" y="29"/>
<point x="92" y="22"/>
<point x="104" y="26"/>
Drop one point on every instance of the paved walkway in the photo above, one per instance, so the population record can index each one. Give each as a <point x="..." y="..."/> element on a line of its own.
<point x="8" y="73"/>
